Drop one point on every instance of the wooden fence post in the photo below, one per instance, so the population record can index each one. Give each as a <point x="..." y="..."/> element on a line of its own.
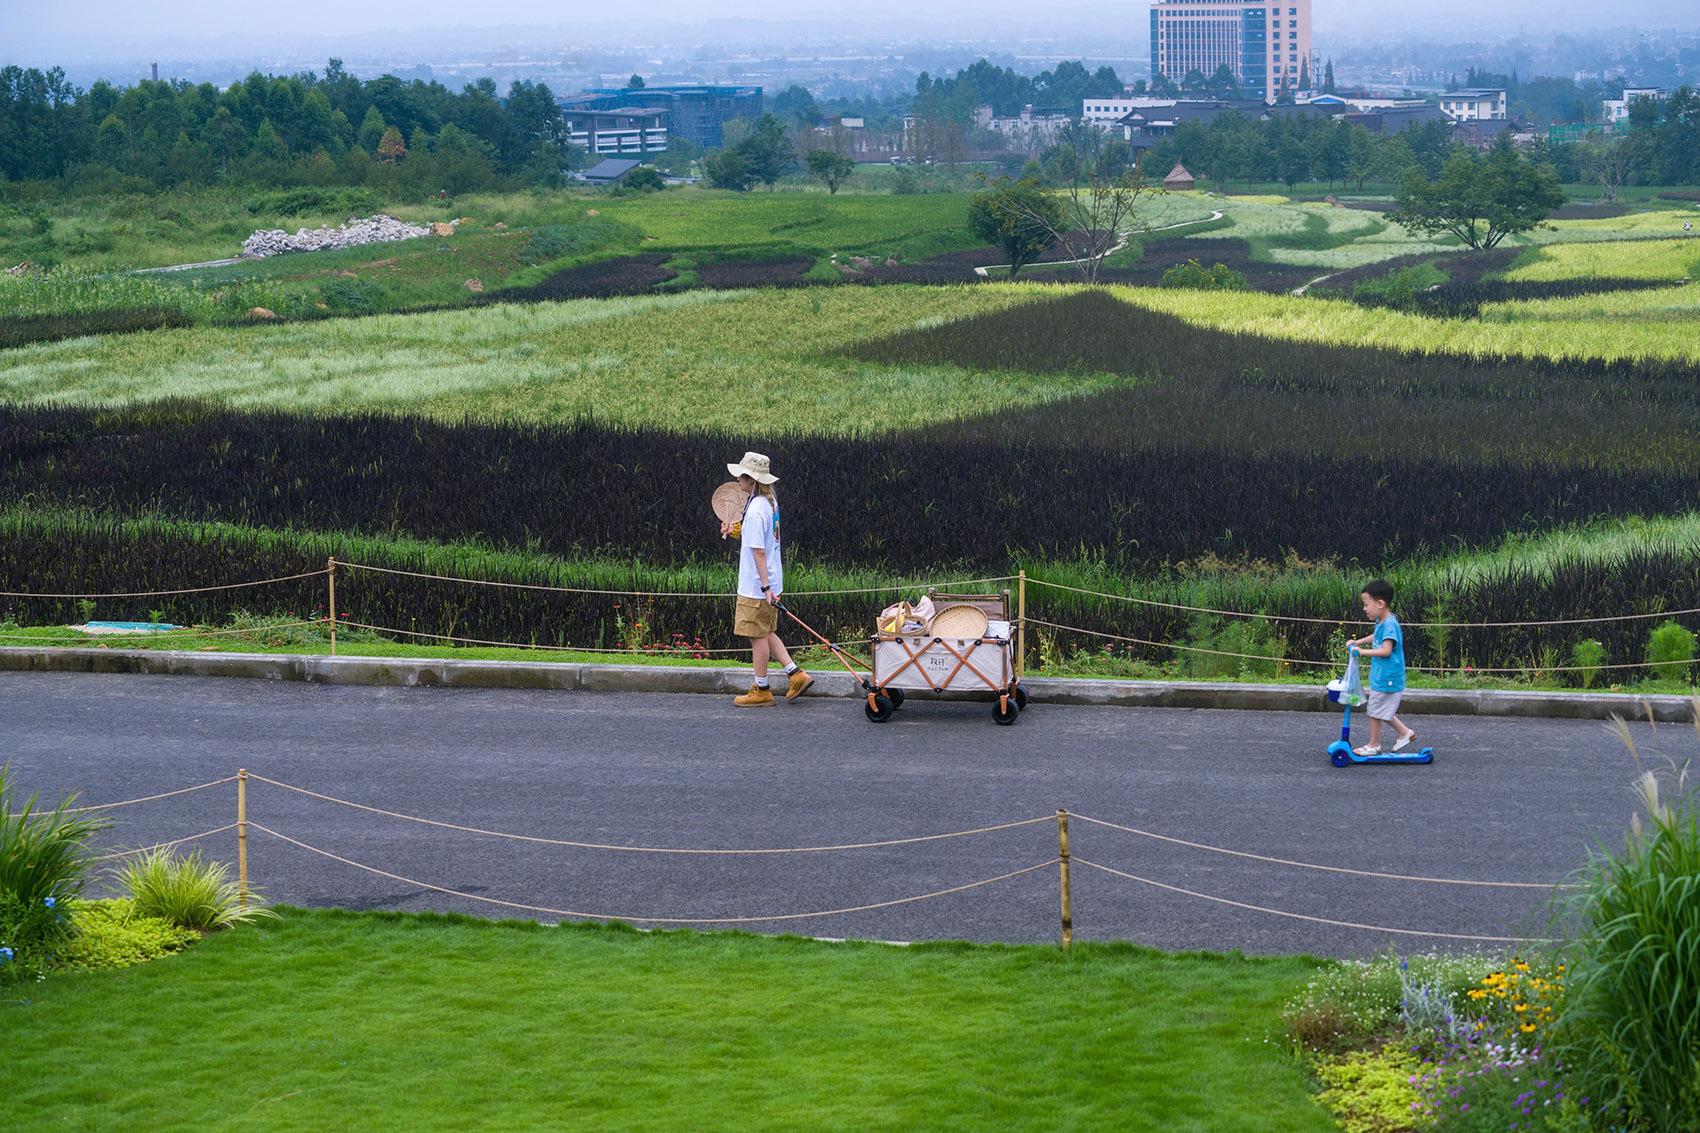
<point x="1067" y="892"/>
<point x="242" y="835"/>
<point x="1021" y="626"/>
<point x="330" y="565"/>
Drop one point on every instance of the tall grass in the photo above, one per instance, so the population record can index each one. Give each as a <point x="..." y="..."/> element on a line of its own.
<point x="189" y="891"/>
<point x="1630" y="1025"/>
<point x="41" y="851"/>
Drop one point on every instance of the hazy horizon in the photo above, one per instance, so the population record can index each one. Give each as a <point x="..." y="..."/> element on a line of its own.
<point x="109" y="30"/>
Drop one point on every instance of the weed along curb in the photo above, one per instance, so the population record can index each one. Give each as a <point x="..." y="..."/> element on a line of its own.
<point x="441" y="672"/>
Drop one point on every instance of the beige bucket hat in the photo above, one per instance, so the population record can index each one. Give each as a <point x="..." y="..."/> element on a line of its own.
<point x="755" y="466"/>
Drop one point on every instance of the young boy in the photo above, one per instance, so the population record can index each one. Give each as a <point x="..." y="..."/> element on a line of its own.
<point x="1386" y="668"/>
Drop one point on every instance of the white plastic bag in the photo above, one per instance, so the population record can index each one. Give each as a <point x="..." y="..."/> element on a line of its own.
<point x="1352" y="685"/>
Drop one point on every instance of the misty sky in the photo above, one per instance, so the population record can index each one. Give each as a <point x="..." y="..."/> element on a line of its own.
<point x="34" y="33"/>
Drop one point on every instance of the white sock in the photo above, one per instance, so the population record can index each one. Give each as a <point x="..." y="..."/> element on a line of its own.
<point x="761" y="682"/>
<point x="791" y="668"/>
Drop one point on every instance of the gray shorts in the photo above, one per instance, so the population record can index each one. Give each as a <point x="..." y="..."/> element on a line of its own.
<point x="1384" y="705"/>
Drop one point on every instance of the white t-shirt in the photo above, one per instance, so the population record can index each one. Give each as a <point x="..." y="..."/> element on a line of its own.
<point x="761" y="529"/>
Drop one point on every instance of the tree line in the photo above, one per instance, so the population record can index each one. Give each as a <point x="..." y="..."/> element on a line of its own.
<point x="279" y="130"/>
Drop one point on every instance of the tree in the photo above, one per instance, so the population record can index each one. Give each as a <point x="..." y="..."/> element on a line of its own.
<point x="1328" y="78"/>
<point x="1605" y="160"/>
<point x="635" y="82"/>
<point x="391" y="148"/>
<point x="1361" y="155"/>
<point x="644" y="179"/>
<point x="1222" y="84"/>
<point x="830" y="168"/>
<point x="796" y="105"/>
<point x="727" y="170"/>
<point x="1479" y="201"/>
<point x="766" y="151"/>
<point x="1162" y="86"/>
<point x="1018" y="216"/>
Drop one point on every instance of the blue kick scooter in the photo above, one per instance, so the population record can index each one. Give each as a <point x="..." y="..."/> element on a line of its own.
<point x="1340" y="752"/>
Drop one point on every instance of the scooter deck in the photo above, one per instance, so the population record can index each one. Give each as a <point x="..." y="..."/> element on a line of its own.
<point x="1341" y="755"/>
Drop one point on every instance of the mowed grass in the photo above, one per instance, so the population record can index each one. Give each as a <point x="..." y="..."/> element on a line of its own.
<point x="333" y="1020"/>
<point x="724" y="360"/>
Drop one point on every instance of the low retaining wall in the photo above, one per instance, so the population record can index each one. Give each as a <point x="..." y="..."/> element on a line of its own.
<point x="731" y="680"/>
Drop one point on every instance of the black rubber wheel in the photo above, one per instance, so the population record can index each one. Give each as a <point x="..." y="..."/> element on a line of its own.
<point x="1020" y="696"/>
<point x="896" y="695"/>
<point x="880" y="710"/>
<point x="1005" y="711"/>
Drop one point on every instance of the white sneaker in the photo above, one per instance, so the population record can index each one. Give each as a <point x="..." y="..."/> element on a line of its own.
<point x="1404" y="741"/>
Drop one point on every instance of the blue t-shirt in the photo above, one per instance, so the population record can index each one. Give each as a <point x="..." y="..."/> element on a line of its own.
<point x="1387" y="674"/>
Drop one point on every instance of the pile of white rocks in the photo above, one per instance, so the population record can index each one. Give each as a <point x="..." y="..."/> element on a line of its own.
<point x="371" y="230"/>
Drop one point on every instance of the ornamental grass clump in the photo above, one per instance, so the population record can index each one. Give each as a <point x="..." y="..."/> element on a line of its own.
<point x="188" y="891"/>
<point x="1629" y="1028"/>
<point x="43" y="865"/>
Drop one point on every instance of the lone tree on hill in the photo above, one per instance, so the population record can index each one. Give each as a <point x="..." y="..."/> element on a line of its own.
<point x="1020" y="216"/>
<point x="830" y="168"/>
<point x="1479" y="201"/>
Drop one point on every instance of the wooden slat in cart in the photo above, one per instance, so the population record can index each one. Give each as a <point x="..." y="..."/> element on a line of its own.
<point x="931" y="662"/>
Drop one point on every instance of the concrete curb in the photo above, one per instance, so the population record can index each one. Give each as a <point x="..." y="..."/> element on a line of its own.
<point x="729" y="681"/>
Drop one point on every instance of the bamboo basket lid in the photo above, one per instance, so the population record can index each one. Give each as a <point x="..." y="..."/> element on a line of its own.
<point x="960" y="620"/>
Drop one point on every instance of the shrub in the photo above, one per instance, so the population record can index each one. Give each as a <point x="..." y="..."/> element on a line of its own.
<point x="643" y="179"/>
<point x="1669" y="646"/>
<point x="1588" y="655"/>
<point x="187" y="891"/>
<point x="30" y="934"/>
<point x="1219" y="277"/>
<point x="112" y="934"/>
<point x="1369" y="1091"/>
<point x="1628" y="1032"/>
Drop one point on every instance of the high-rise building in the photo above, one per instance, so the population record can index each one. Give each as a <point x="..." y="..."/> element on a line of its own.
<point x="1266" y="46"/>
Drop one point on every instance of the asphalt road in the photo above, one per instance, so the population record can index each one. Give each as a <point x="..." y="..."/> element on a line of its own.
<point x="1505" y="800"/>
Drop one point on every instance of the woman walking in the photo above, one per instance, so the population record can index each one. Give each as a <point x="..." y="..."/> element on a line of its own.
<point x="761" y="580"/>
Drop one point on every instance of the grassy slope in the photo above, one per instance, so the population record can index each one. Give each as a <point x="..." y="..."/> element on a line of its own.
<point x="333" y="1020"/>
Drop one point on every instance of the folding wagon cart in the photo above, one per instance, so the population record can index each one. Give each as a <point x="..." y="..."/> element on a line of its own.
<point x="968" y="646"/>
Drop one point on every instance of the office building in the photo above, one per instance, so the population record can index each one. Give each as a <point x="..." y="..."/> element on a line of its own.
<point x="696" y="113"/>
<point x="1267" y="47"/>
<point x="1475" y="105"/>
<point x="622" y="130"/>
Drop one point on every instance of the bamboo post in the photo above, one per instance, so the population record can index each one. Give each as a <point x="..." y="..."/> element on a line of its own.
<point x="1067" y="891"/>
<point x="242" y="835"/>
<point x="330" y="565"/>
<point x="1021" y="626"/>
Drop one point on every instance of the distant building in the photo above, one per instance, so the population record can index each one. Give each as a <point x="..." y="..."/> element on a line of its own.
<point x="1266" y="46"/>
<point x="696" y="113"/>
<point x="1392" y="119"/>
<point x="1110" y="111"/>
<point x="624" y="129"/>
<point x="612" y="170"/>
<point x="1179" y="180"/>
<point x="1617" y="109"/>
<point x="1475" y="105"/>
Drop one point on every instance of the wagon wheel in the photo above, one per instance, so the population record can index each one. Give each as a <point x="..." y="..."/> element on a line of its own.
<point x="1005" y="710"/>
<point x="880" y="710"/>
<point x="1020" y="695"/>
<point x="896" y="695"/>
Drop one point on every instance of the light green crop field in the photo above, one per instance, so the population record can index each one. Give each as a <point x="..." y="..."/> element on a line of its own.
<point x="330" y="1020"/>
<point x="1631" y="259"/>
<point x="698" y="357"/>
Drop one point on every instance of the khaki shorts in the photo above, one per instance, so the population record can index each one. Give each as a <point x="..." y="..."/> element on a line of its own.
<point x="755" y="618"/>
<point x="1384" y="705"/>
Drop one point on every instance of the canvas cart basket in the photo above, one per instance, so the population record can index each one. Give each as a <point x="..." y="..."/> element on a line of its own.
<point x="968" y="647"/>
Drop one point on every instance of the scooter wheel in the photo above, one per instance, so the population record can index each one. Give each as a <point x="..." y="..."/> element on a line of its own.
<point x="1005" y="711"/>
<point x="880" y="710"/>
<point x="1339" y="759"/>
<point x="896" y="695"/>
<point x="1020" y="696"/>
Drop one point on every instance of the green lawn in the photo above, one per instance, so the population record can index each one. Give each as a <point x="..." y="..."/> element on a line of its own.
<point x="332" y="1020"/>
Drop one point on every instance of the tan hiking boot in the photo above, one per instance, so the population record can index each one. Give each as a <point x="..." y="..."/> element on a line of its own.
<point x="801" y="682"/>
<point x="756" y="698"/>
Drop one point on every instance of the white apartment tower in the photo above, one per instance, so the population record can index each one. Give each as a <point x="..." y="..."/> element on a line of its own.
<point x="1266" y="46"/>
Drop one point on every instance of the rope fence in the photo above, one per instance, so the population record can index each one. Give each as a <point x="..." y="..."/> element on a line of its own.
<point x="1063" y="859"/>
<point x="1022" y="619"/>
